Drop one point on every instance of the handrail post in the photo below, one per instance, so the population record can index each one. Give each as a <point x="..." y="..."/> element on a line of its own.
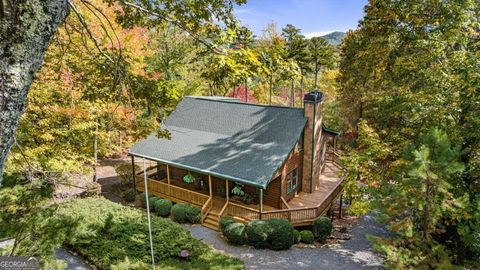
<point x="226" y="190"/>
<point x="261" y="202"/>
<point x="210" y="185"/>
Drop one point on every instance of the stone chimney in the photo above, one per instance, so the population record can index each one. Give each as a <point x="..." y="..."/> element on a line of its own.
<point x="312" y="141"/>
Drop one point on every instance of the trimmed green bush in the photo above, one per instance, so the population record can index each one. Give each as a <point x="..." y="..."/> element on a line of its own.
<point x="179" y="212"/>
<point x="193" y="214"/>
<point x="307" y="237"/>
<point x="129" y="195"/>
<point x="257" y="232"/>
<point x="152" y="201"/>
<point x="235" y="233"/>
<point x="224" y="222"/>
<point x="281" y="236"/>
<point x="162" y="207"/>
<point x="322" y="228"/>
<point x="143" y="199"/>
<point x="296" y="236"/>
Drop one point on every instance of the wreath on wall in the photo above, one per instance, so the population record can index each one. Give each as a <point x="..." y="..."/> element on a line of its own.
<point x="189" y="178"/>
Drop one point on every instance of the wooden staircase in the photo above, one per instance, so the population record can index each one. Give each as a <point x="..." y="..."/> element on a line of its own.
<point x="213" y="217"/>
<point x="212" y="221"/>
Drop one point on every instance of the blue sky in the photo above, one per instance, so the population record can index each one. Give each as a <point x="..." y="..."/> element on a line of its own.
<point x="314" y="17"/>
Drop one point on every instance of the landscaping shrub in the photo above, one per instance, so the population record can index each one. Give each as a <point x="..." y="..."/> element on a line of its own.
<point x="281" y="236"/>
<point x="257" y="233"/>
<point x="296" y="236"/>
<point x="113" y="236"/>
<point x="235" y="233"/>
<point x="162" y="207"/>
<point x="179" y="212"/>
<point x="322" y="228"/>
<point x="307" y="237"/>
<point x="129" y="195"/>
<point x="143" y="199"/>
<point x="151" y="202"/>
<point x="193" y="214"/>
<point x="224" y="222"/>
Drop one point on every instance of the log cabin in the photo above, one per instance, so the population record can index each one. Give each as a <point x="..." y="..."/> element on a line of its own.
<point x="244" y="160"/>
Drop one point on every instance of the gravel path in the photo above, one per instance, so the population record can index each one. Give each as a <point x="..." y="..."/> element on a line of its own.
<point x="356" y="253"/>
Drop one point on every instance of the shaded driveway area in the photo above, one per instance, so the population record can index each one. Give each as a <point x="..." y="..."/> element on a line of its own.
<point x="356" y="253"/>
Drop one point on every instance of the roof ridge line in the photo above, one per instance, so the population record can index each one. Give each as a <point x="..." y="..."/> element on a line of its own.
<point x="245" y="103"/>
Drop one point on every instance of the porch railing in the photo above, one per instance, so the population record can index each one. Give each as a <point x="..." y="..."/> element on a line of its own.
<point x="206" y="208"/>
<point x="174" y="193"/>
<point x="238" y="210"/>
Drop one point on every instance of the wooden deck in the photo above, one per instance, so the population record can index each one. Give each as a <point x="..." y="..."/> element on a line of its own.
<point x="299" y="211"/>
<point x="329" y="180"/>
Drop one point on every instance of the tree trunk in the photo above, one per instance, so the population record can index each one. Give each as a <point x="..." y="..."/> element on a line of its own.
<point x="292" y="93"/>
<point x="271" y="85"/>
<point x="26" y="29"/>
<point x="246" y="90"/>
<point x="301" y="88"/>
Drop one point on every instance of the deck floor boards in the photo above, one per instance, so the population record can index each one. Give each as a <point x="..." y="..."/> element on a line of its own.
<point x="329" y="179"/>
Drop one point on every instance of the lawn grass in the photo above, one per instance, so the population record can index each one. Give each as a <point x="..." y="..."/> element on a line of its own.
<point x="113" y="236"/>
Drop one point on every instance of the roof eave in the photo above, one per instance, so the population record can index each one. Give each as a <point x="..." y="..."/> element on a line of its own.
<point x="198" y="170"/>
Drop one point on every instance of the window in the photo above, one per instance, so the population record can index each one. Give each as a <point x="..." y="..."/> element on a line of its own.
<point x="292" y="180"/>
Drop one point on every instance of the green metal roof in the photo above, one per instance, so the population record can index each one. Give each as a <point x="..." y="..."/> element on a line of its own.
<point x="238" y="141"/>
<point x="331" y="131"/>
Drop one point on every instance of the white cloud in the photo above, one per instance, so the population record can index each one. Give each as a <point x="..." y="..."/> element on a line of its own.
<point x="319" y="34"/>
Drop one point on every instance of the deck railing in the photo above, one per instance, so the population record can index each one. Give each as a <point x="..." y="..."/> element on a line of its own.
<point x="238" y="210"/>
<point x="174" y="193"/>
<point x="206" y="208"/>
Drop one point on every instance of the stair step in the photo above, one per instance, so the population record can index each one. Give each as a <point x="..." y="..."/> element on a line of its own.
<point x="213" y="218"/>
<point x="210" y="226"/>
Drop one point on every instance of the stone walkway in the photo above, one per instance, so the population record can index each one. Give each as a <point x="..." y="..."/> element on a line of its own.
<point x="356" y="253"/>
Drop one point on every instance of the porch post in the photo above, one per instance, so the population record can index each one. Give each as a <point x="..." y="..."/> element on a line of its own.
<point x="226" y="189"/>
<point x="210" y="185"/>
<point x="168" y="178"/>
<point x="134" y="175"/>
<point x="261" y="202"/>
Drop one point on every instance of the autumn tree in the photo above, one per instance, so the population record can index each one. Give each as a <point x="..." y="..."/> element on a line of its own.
<point x="409" y="68"/>
<point x="28" y="26"/>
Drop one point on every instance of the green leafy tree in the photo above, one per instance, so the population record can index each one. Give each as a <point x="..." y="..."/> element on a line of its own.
<point x="321" y="55"/>
<point x="407" y="68"/>
<point x="296" y="51"/>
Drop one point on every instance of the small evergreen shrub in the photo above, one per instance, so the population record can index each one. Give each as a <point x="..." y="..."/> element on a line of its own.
<point x="151" y="202"/>
<point x="129" y="195"/>
<point x="235" y="233"/>
<point x="306" y="237"/>
<point x="224" y="222"/>
<point x="296" y="236"/>
<point x="257" y="232"/>
<point x="322" y="228"/>
<point x="162" y="207"/>
<point x="281" y="236"/>
<point x="143" y="199"/>
<point x="193" y="214"/>
<point x="179" y="212"/>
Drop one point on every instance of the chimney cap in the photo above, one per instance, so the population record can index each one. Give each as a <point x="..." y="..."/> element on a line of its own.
<point x="315" y="96"/>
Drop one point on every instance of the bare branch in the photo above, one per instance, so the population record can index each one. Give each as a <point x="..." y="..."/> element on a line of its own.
<point x="89" y="32"/>
<point x="210" y="46"/>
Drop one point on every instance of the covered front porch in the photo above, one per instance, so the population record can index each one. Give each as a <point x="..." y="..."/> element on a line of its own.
<point x="216" y="198"/>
